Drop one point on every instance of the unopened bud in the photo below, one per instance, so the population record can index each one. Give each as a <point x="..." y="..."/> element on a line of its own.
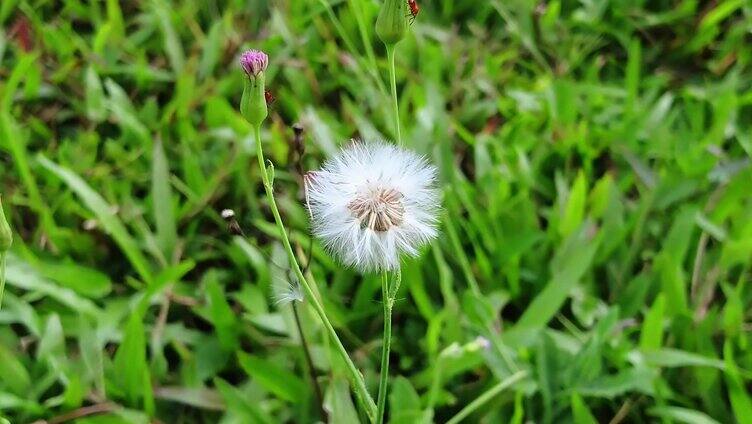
<point x="253" y="101"/>
<point x="391" y="24"/>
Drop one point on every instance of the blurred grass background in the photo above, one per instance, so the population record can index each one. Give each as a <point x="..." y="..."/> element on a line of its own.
<point x="597" y="231"/>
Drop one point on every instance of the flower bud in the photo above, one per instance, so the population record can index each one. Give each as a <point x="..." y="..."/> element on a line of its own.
<point x="254" y="62"/>
<point x="253" y="102"/>
<point x="391" y="24"/>
<point x="6" y="235"/>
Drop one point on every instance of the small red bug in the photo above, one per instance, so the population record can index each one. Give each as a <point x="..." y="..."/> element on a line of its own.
<point x="269" y="97"/>
<point x="414" y="9"/>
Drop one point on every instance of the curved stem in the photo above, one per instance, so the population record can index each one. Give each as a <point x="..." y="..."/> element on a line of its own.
<point x="385" y="347"/>
<point x="393" y="81"/>
<point x="355" y="378"/>
<point x="487" y="396"/>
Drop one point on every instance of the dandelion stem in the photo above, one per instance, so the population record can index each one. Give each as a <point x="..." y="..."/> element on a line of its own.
<point x="356" y="379"/>
<point x="386" y="344"/>
<point x="393" y="81"/>
<point x="309" y="362"/>
<point x="2" y="276"/>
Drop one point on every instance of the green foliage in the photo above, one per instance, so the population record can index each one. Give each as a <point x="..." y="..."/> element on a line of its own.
<point x="595" y="159"/>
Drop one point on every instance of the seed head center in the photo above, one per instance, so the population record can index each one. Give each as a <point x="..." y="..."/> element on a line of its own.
<point x="378" y="208"/>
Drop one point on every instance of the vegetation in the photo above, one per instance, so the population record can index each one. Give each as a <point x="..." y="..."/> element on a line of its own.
<point x="596" y="231"/>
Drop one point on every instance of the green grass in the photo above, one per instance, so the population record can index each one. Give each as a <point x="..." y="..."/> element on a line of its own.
<point x="595" y="159"/>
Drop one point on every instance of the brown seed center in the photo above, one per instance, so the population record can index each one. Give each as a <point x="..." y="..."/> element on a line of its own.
<point x="378" y="209"/>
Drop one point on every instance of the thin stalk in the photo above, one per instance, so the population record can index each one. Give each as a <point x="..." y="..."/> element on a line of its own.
<point x="386" y="345"/>
<point x="454" y="241"/>
<point x="357" y="7"/>
<point x="433" y="392"/>
<point x="355" y="378"/>
<point x="393" y="81"/>
<point x="2" y="276"/>
<point x="487" y="396"/>
<point x="309" y="362"/>
<point x="351" y="46"/>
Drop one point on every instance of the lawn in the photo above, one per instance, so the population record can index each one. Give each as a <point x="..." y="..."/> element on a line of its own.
<point x="594" y="240"/>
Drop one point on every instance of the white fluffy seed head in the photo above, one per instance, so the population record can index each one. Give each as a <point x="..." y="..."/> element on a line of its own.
<point x="372" y="203"/>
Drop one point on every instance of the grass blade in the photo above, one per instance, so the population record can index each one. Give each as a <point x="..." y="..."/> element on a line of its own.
<point x="103" y="211"/>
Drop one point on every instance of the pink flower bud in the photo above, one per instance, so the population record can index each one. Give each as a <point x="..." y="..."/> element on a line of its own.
<point x="254" y="62"/>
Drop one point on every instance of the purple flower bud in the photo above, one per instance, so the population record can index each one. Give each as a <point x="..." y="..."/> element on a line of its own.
<point x="254" y="62"/>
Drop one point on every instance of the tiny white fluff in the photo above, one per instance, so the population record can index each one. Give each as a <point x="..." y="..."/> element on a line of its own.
<point x="372" y="203"/>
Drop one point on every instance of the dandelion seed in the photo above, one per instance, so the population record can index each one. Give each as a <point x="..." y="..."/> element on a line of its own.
<point x="287" y="291"/>
<point x="373" y="203"/>
<point x="227" y="213"/>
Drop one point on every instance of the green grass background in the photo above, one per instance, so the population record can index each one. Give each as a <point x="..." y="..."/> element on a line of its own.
<point x="596" y="230"/>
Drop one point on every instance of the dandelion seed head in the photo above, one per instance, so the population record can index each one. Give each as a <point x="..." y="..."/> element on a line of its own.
<point x="372" y="203"/>
<point x="254" y="62"/>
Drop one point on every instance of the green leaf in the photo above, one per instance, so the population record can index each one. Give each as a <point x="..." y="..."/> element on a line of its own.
<point x="651" y="336"/>
<point x="574" y="211"/>
<point x="103" y="211"/>
<point x="580" y="412"/>
<point x="574" y="259"/>
<point x="198" y="397"/>
<point x="274" y="378"/>
<point x="211" y="50"/>
<point x="161" y="197"/>
<point x="21" y="275"/>
<point x="478" y="310"/>
<point x="741" y="403"/>
<point x="83" y="280"/>
<point x="338" y="403"/>
<point x="628" y="380"/>
<point x="681" y="415"/>
<point x="52" y="342"/>
<point x="172" y="45"/>
<point x="95" y="102"/>
<point x="130" y="361"/>
<point x="13" y="374"/>
<point x="403" y="395"/>
<point x="123" y="112"/>
<point x="678" y="358"/>
<point x="238" y="404"/>
<point x="221" y="314"/>
<point x="547" y="372"/>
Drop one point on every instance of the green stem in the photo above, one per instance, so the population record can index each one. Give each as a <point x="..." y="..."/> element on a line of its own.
<point x="2" y="276"/>
<point x="487" y="396"/>
<point x="386" y="345"/>
<point x="355" y="378"/>
<point x="309" y="363"/>
<point x="393" y="81"/>
<point x="433" y="392"/>
<point x="357" y="7"/>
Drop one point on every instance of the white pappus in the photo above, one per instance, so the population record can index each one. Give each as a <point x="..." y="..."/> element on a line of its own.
<point x="372" y="203"/>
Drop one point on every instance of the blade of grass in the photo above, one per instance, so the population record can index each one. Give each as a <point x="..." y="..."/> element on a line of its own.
<point x="103" y="211"/>
<point x="487" y="396"/>
<point x="15" y="140"/>
<point x="162" y="207"/>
